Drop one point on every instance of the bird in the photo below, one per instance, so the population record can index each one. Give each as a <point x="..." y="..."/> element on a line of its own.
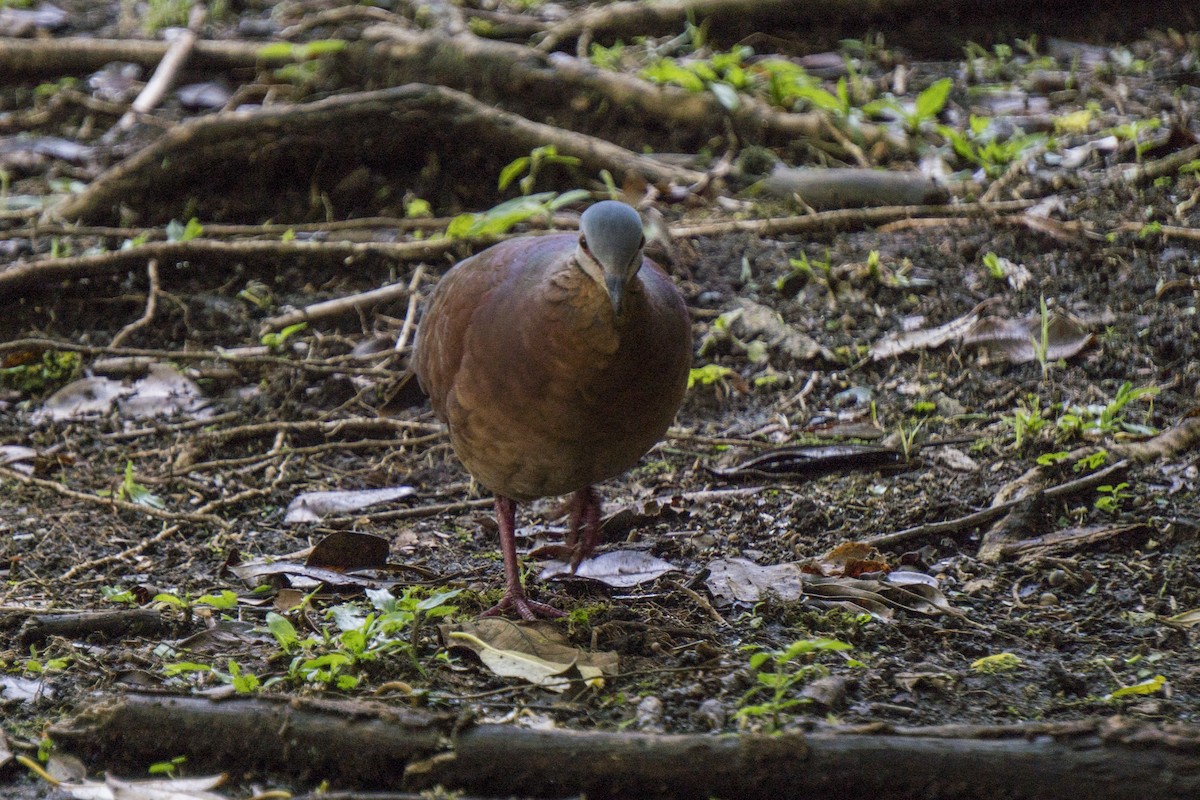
<point x="556" y="362"/>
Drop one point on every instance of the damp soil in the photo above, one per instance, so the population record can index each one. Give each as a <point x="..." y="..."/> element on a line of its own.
<point x="1082" y="622"/>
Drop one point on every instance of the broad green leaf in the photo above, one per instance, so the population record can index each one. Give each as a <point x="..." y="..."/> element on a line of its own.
<point x="931" y="101"/>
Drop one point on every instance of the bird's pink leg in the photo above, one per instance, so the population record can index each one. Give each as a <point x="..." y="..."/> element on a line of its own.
<point x="585" y="520"/>
<point x="514" y="594"/>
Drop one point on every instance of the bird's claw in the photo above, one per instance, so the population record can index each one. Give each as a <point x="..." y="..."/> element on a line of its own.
<point x="528" y="609"/>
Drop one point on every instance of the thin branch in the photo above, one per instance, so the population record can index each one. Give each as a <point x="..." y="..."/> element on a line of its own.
<point x="151" y="306"/>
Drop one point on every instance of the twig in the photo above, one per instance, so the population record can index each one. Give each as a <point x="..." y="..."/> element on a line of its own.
<point x="145" y="544"/>
<point x="701" y="601"/>
<point x="1148" y="171"/>
<point x="199" y="516"/>
<point x="987" y="515"/>
<point x="417" y="512"/>
<point x="103" y="561"/>
<point x="49" y="271"/>
<point x="174" y="59"/>
<point x="335" y="307"/>
<point x="151" y="306"/>
<point x="843" y="219"/>
<point x="326" y="367"/>
<point x="410" y="315"/>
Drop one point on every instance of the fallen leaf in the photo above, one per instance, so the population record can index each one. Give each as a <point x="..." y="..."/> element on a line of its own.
<point x="739" y="580"/>
<point x="312" y="506"/>
<point x="346" y="550"/>
<point x="813" y="461"/>
<point x="618" y="568"/>
<point x="537" y="652"/>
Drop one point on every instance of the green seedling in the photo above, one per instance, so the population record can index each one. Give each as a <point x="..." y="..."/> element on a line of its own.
<point x="1027" y="420"/>
<point x="995" y="266"/>
<point x="1000" y="662"/>
<point x="708" y="375"/>
<point x="530" y="165"/>
<point x="925" y="109"/>
<point x="1112" y="497"/>
<point x="133" y="492"/>
<point x="980" y="145"/>
<point x="1041" y="344"/>
<point x="278" y="339"/>
<point x="168" y="768"/>
<point x="178" y="232"/>
<point x="1094" y="421"/>
<point x="780" y="674"/>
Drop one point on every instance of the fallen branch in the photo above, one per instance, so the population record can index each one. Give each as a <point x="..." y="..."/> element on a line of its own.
<point x="394" y="125"/>
<point x="45" y="274"/>
<point x="533" y="83"/>
<point x="372" y="745"/>
<point x="36" y="58"/>
<point x="118" y="624"/>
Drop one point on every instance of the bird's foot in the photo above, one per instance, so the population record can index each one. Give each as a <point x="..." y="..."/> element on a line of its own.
<point x="584" y="532"/>
<point x="528" y="609"/>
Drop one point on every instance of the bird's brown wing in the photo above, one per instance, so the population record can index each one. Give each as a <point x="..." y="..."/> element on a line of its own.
<point x="441" y="335"/>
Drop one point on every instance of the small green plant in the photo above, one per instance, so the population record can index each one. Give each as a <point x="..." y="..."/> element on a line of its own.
<point x="908" y="437"/>
<point x="1095" y="421"/>
<point x="278" y="339"/>
<point x="1111" y="497"/>
<point x="996" y="266"/>
<point x="708" y="375"/>
<point x="1041" y="344"/>
<point x="984" y="65"/>
<point x="980" y="144"/>
<point x="178" y="232"/>
<point x="168" y="768"/>
<point x="929" y="103"/>
<point x="503" y="217"/>
<point x="994" y="664"/>
<point x="161" y="14"/>
<point x="608" y="58"/>
<point x="1092" y="462"/>
<point x="723" y="74"/>
<point x="1050" y="459"/>
<point x="115" y="594"/>
<point x="1152" y="685"/>
<point x="393" y="626"/>
<point x="132" y="491"/>
<point x="243" y="682"/>
<point x="38" y="666"/>
<point x="780" y="674"/>
<point x="803" y="271"/>
<point x="531" y="164"/>
<point x="1027" y="420"/>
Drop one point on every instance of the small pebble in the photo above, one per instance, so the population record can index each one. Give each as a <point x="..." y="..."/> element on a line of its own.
<point x="649" y="714"/>
<point x="712" y="714"/>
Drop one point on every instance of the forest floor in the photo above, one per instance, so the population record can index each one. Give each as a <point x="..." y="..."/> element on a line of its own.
<point x="1062" y="242"/>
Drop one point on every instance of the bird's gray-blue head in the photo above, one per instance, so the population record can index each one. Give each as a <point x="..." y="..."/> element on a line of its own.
<point x="610" y="246"/>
